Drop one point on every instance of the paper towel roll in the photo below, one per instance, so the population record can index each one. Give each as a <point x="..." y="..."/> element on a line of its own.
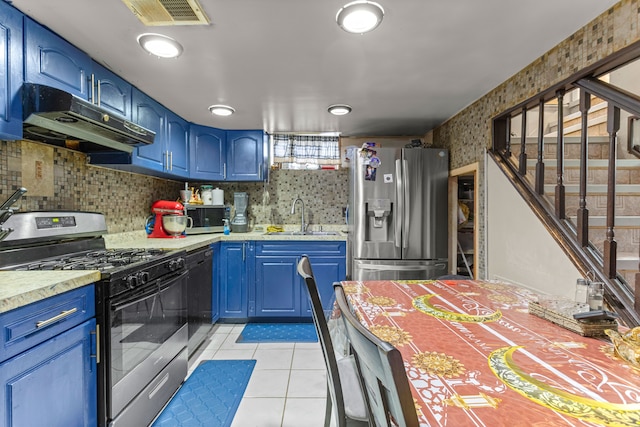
<point x="218" y="197"/>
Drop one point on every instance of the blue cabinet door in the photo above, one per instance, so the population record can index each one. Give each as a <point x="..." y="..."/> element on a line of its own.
<point x="207" y="152"/>
<point x="53" y="384"/>
<point x="11" y="67"/>
<point x="326" y="271"/>
<point x="52" y="61"/>
<point x="177" y="146"/>
<point x="245" y="158"/>
<point x="278" y="287"/>
<point x="152" y="115"/>
<point x="110" y="91"/>
<point x="234" y="258"/>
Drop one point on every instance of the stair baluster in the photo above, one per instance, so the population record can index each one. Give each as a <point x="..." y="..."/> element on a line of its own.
<point x="560" y="206"/>
<point x="539" y="179"/>
<point x="522" y="169"/>
<point x="583" y="212"/>
<point x="610" y="245"/>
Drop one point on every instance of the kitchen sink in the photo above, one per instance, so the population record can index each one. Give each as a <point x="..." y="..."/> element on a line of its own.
<point x="306" y="233"/>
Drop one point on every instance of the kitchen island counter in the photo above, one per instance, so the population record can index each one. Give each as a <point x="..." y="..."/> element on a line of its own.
<point x="20" y="288"/>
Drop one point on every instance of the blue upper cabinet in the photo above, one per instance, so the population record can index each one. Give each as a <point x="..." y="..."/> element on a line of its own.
<point x="152" y="115"/>
<point x="10" y="72"/>
<point x="169" y="153"/>
<point x="233" y="155"/>
<point x="177" y="145"/>
<point x="52" y="61"/>
<point x="110" y="91"/>
<point x="207" y="152"/>
<point x="245" y="155"/>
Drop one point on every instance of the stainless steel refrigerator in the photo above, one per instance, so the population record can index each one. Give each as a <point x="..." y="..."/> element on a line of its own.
<point x="397" y="214"/>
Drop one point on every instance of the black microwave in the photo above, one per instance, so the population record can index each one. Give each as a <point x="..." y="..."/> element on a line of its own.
<point x="207" y="218"/>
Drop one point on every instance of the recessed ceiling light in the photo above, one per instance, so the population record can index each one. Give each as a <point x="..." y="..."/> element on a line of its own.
<point x="360" y="16"/>
<point x="221" y="110"/>
<point x="159" y="45"/>
<point x="339" y="109"/>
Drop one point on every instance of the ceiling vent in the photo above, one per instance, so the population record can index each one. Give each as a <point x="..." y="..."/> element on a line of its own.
<point x="168" y="12"/>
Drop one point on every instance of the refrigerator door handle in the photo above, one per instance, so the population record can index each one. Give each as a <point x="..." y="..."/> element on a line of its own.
<point x="397" y="220"/>
<point x="405" y="206"/>
<point x="378" y="267"/>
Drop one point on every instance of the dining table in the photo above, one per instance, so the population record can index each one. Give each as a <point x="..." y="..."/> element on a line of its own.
<point x="474" y="355"/>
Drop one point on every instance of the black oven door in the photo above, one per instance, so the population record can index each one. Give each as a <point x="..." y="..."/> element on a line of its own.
<point x="147" y="329"/>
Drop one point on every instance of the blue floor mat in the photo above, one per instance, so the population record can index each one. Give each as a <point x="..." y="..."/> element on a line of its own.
<point x="209" y="397"/>
<point x="278" y="332"/>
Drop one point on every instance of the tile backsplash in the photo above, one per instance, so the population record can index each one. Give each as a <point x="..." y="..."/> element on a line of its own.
<point x="125" y="198"/>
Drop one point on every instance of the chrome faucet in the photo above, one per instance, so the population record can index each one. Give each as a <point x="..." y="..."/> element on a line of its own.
<point x="293" y="210"/>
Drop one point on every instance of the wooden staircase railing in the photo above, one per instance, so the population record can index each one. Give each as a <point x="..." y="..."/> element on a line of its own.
<point x="620" y="295"/>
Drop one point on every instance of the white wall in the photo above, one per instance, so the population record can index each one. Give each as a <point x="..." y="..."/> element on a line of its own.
<point x="519" y="248"/>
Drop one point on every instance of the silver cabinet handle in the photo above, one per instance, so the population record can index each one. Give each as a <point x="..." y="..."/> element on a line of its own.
<point x="99" y="91"/>
<point x="97" y="334"/>
<point x="260" y="171"/>
<point x="166" y="160"/>
<point x="244" y="255"/>
<point x="93" y="88"/>
<point x="170" y="160"/>
<point x="62" y="315"/>
<point x="224" y="171"/>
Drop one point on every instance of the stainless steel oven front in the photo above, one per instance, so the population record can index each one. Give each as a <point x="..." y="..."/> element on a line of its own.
<point x="146" y="348"/>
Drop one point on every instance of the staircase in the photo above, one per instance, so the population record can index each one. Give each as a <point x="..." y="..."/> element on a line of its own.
<point x="615" y="255"/>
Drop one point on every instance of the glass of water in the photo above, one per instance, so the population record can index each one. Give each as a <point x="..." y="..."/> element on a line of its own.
<point x="595" y="296"/>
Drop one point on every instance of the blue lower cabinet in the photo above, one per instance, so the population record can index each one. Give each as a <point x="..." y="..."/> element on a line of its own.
<point x="277" y="287"/>
<point x="236" y="270"/>
<point x="53" y="384"/>
<point x="326" y="271"/>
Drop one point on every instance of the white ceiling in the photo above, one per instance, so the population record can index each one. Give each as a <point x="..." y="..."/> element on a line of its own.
<point x="281" y="63"/>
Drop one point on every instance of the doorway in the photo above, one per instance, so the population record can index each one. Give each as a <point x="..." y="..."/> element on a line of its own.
<point x="463" y="221"/>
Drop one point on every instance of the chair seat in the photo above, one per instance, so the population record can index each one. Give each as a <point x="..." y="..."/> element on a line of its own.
<point x="354" y="405"/>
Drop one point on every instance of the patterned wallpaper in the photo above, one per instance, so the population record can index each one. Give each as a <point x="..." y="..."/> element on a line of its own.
<point x="468" y="134"/>
<point x="61" y="179"/>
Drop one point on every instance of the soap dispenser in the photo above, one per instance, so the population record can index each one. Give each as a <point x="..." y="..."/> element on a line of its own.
<point x="226" y="229"/>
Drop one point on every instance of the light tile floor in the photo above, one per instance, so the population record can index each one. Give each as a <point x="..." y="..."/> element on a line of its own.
<point x="288" y="384"/>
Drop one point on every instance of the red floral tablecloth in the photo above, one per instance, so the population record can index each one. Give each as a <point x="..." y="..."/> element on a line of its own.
<point x="474" y="356"/>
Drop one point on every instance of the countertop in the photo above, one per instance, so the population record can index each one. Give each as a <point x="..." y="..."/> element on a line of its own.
<point x="19" y="288"/>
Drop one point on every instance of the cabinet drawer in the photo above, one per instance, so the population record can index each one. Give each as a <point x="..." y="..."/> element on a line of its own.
<point x="300" y="247"/>
<point x="30" y="325"/>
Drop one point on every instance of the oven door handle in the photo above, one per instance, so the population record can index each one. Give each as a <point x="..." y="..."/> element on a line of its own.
<point x="152" y="289"/>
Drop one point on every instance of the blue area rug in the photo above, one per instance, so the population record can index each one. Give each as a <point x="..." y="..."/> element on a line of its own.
<point x="278" y="332"/>
<point x="209" y="397"/>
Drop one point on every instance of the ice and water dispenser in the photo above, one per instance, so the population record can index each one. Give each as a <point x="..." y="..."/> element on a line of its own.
<point x="378" y="220"/>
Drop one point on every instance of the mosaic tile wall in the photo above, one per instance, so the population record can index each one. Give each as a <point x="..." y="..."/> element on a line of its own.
<point x="324" y="193"/>
<point x="468" y="134"/>
<point x="125" y="198"/>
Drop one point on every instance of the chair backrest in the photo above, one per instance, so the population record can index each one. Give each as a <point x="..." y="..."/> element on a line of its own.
<point x="320" y="322"/>
<point x="382" y="371"/>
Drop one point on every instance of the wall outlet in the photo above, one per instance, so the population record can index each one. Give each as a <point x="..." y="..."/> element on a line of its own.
<point x="344" y="212"/>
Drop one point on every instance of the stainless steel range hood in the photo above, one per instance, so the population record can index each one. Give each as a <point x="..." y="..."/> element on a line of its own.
<point x="56" y="117"/>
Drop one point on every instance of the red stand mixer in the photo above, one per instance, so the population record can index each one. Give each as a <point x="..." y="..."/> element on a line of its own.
<point x="169" y="221"/>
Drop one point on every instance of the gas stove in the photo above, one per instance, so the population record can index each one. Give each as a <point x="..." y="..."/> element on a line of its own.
<point x="104" y="260"/>
<point x="57" y="240"/>
<point x="141" y="307"/>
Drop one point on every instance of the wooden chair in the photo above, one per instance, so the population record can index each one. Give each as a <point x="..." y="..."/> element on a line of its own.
<point x="381" y="369"/>
<point x="344" y="392"/>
